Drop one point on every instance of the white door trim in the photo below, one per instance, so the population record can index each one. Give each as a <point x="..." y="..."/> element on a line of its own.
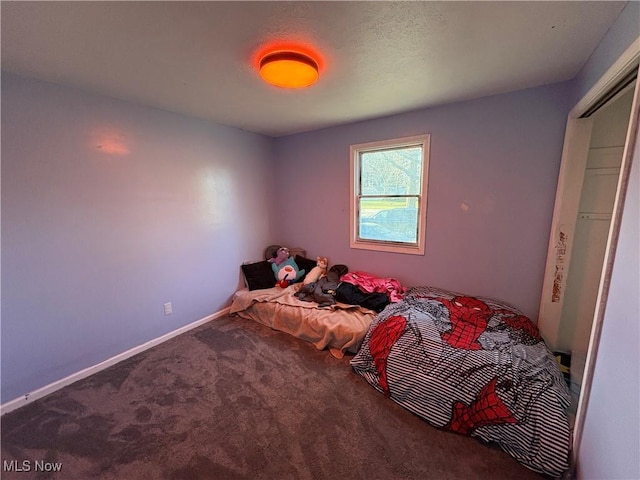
<point x="574" y="157"/>
<point x="565" y="213"/>
<point x="577" y="130"/>
<point x="605" y="278"/>
<point x="627" y="62"/>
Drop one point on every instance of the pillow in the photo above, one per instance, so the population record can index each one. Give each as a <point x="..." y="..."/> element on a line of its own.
<point x="258" y="275"/>
<point x="305" y="264"/>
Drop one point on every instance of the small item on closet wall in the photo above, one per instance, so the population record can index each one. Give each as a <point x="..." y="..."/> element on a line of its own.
<point x="558" y="275"/>
<point x="464" y="206"/>
<point x="595" y="216"/>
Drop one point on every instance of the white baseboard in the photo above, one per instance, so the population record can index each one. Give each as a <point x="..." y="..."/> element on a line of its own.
<point x="57" y="385"/>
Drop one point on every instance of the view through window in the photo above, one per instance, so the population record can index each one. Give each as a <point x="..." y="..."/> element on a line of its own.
<point x="389" y="192"/>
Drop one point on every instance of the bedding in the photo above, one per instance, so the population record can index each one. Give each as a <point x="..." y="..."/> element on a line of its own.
<point x="372" y="284"/>
<point x="260" y="275"/>
<point x="473" y="366"/>
<point x="340" y="327"/>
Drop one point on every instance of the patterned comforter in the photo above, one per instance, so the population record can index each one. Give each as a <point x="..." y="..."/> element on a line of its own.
<point x="474" y="366"/>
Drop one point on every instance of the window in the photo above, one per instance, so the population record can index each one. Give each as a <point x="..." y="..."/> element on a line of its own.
<point x="389" y="195"/>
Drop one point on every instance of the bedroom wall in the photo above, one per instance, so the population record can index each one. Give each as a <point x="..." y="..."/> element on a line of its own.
<point x="611" y="435"/>
<point x="109" y="210"/>
<point x="493" y="173"/>
<point x="622" y="33"/>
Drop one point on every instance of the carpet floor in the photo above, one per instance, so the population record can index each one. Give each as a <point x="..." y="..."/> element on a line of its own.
<point x="229" y="400"/>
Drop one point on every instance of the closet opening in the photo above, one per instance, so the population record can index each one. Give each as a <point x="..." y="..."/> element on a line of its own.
<point x="594" y="173"/>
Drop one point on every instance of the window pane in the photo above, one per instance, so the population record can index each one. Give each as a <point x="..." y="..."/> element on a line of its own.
<point x="389" y="219"/>
<point x="369" y="206"/>
<point x="391" y="172"/>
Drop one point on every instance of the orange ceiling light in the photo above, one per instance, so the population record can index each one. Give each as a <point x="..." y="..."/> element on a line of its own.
<point x="288" y="69"/>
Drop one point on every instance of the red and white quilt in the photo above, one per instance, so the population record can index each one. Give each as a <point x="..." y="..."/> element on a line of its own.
<point x="474" y="366"/>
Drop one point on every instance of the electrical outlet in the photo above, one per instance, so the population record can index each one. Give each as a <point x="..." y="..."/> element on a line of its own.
<point x="168" y="309"/>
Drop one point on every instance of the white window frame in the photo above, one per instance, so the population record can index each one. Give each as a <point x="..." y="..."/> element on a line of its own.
<point x="355" y="151"/>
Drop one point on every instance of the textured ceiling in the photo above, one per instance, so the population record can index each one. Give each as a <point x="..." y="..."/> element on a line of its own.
<point x="376" y="58"/>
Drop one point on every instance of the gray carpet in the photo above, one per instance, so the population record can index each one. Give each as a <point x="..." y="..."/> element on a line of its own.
<point x="235" y="400"/>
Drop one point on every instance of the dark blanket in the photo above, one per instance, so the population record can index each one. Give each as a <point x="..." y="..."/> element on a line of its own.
<point x="322" y="291"/>
<point x="351" y="294"/>
<point x="327" y="290"/>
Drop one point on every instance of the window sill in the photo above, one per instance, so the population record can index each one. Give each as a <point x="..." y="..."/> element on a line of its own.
<point x="388" y="247"/>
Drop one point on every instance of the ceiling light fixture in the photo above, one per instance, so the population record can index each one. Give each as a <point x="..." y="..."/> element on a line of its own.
<point x="288" y="69"/>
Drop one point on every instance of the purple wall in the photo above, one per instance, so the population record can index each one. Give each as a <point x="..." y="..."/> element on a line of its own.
<point x="94" y="243"/>
<point x="499" y="155"/>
